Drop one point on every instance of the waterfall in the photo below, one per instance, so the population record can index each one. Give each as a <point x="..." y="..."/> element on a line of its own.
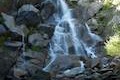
<point x="66" y="33"/>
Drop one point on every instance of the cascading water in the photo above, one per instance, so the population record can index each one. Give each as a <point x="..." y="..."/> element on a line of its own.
<point x="66" y="33"/>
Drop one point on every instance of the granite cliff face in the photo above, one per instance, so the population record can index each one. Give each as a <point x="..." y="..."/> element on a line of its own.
<point x="27" y="28"/>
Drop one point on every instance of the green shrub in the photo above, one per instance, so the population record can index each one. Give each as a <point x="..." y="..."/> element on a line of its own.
<point x="107" y="4"/>
<point x="112" y="46"/>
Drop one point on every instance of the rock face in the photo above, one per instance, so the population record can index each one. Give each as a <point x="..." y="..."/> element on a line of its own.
<point x="31" y="25"/>
<point x="7" y="60"/>
<point x="28" y="36"/>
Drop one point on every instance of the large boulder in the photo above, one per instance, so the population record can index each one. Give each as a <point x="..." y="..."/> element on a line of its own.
<point x="30" y="18"/>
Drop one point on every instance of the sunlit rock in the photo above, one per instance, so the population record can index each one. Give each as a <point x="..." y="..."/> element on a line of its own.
<point x="28" y="7"/>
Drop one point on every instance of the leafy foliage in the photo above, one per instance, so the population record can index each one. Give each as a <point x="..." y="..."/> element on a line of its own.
<point x="113" y="46"/>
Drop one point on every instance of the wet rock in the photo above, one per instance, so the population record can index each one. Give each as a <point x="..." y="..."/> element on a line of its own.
<point x="38" y="40"/>
<point x="62" y="62"/>
<point x="74" y="71"/>
<point x="47" y="10"/>
<point x="29" y="18"/>
<point x="2" y="29"/>
<point x="46" y="29"/>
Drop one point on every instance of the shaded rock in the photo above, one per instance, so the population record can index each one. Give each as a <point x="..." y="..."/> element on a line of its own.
<point x="95" y="62"/>
<point x="5" y="5"/>
<point x="29" y="18"/>
<point x="35" y="61"/>
<point x="41" y="75"/>
<point x="46" y="29"/>
<point x="105" y="70"/>
<point x="32" y="68"/>
<point x="28" y="15"/>
<point x="20" y="3"/>
<point x="19" y="73"/>
<point x="104" y="62"/>
<point x="115" y="64"/>
<point x="36" y="55"/>
<point x="2" y="29"/>
<point x="80" y="77"/>
<point x="38" y="40"/>
<point x="107" y="74"/>
<point x="7" y="60"/>
<point x="47" y="10"/>
<point x="93" y="24"/>
<point x="96" y="76"/>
